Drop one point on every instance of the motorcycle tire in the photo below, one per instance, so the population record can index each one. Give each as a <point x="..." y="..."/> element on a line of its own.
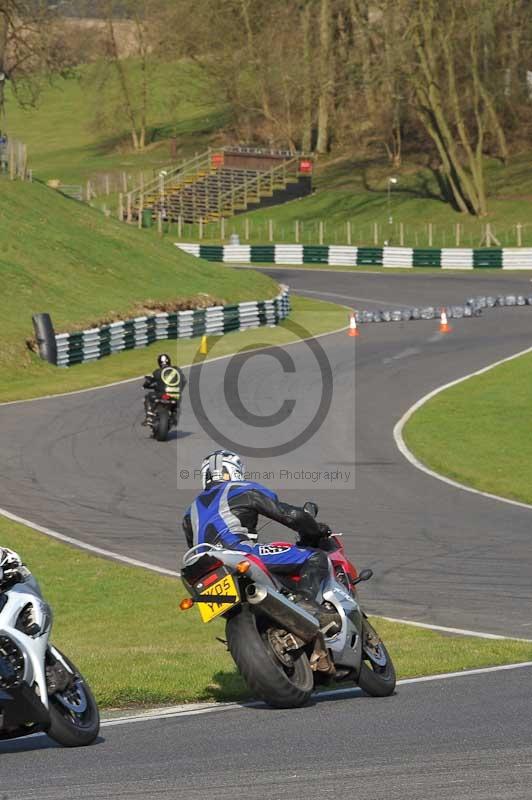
<point x="264" y="674"/>
<point x="377" y="672"/>
<point x="162" y="424"/>
<point x="69" y="727"/>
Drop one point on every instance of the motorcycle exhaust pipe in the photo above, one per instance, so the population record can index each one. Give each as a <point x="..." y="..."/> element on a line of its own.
<point x="283" y="611"/>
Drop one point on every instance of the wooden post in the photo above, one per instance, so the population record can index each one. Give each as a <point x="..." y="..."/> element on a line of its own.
<point x="296" y="231"/>
<point x="320" y="234"/>
<point x="375" y="233"/>
<point x="270" y="230"/>
<point x="222" y="229"/>
<point x="129" y="206"/>
<point x="141" y="208"/>
<point x="107" y="186"/>
<point x="246" y="229"/>
<point x="160" y="223"/>
<point x="489" y="239"/>
<point x="11" y="160"/>
<point x="179" y="226"/>
<point x="348" y="232"/>
<point x="430" y="234"/>
<point x="401" y="235"/>
<point x="201" y="227"/>
<point x="124" y="182"/>
<point x="457" y="237"/>
<point x="88" y="192"/>
<point x="24" y="161"/>
<point x="518" y="228"/>
<point x="120" y="206"/>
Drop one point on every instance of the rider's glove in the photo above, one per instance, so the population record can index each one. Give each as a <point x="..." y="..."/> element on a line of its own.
<point x="10" y="565"/>
<point x="325" y="531"/>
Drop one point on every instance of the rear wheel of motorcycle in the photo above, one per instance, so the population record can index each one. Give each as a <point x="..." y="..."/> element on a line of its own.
<point x="74" y="715"/>
<point x="162" y="425"/>
<point x="377" y="673"/>
<point x="266" y="676"/>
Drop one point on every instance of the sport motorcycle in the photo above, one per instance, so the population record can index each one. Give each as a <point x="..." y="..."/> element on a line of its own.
<point x="163" y="412"/>
<point x="40" y="688"/>
<point x="278" y="646"/>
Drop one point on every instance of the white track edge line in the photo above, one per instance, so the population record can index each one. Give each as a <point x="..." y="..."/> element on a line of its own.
<point x="182" y="711"/>
<point x="133" y="562"/>
<point x="100" y="551"/>
<point x="403" y="449"/>
<point x="460" y="631"/>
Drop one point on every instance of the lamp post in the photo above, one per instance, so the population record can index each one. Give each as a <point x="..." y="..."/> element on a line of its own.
<point x="390" y="182"/>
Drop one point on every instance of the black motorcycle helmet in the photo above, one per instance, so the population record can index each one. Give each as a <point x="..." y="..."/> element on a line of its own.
<point x="164" y="360"/>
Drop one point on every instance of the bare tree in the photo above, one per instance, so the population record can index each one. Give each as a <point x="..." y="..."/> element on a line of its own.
<point x="27" y="58"/>
<point x="123" y="77"/>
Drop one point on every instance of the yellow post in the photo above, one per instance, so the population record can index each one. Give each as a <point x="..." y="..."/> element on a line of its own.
<point x="204" y="346"/>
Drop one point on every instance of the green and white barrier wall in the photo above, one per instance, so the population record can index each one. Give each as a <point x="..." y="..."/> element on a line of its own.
<point x="346" y="256"/>
<point x="94" y="343"/>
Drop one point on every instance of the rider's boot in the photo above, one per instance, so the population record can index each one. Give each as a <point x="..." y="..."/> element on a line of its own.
<point x="311" y="576"/>
<point x="327" y="615"/>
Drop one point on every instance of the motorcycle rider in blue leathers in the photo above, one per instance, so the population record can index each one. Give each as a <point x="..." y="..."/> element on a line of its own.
<point x="226" y="512"/>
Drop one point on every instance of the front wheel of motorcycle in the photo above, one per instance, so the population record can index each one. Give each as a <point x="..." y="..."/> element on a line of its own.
<point x="377" y="672"/>
<point x="286" y="683"/>
<point x="74" y="715"/>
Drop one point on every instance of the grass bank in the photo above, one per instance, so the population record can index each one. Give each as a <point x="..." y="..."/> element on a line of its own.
<point x="478" y="432"/>
<point x="63" y="257"/>
<point x="75" y="132"/>
<point x="148" y="652"/>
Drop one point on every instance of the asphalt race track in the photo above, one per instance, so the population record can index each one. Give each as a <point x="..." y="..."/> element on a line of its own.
<point x="82" y="465"/>
<point x="460" y="739"/>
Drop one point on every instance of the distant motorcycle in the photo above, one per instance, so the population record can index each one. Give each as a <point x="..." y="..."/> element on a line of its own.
<point x="278" y="646"/>
<point x="40" y="688"/>
<point x="163" y="413"/>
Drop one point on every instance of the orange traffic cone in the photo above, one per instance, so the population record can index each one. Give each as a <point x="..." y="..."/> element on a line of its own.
<point x="353" y="330"/>
<point x="444" y="325"/>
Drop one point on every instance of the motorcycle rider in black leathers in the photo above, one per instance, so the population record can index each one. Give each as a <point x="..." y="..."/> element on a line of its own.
<point x="157" y="386"/>
<point x="227" y="511"/>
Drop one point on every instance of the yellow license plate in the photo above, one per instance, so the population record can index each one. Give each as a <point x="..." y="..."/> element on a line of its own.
<point x="225" y="587"/>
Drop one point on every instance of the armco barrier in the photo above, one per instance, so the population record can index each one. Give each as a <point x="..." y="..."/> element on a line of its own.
<point x="89" y="345"/>
<point x="407" y="257"/>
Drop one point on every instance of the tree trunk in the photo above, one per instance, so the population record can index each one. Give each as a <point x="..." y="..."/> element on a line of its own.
<point x="359" y="13"/>
<point x="306" y="19"/>
<point x="4" y="25"/>
<point x="324" y="100"/>
<point x="122" y="79"/>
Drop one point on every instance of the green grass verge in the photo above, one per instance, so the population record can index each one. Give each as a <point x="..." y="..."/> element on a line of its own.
<point x="123" y="628"/>
<point x="478" y="432"/>
<point x="365" y="209"/>
<point x="308" y="318"/>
